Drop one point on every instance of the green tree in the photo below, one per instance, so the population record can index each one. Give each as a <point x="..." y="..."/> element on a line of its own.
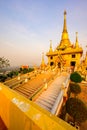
<point x="30" y="69"/>
<point x="76" y="109"/>
<point x="25" y="71"/>
<point x="20" y="70"/>
<point x="3" y="78"/>
<point x="10" y="74"/>
<point x="4" y="62"/>
<point x="75" y="77"/>
<point x="75" y="88"/>
<point x="16" y="73"/>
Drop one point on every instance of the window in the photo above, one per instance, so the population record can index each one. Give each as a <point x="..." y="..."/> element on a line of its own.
<point x="51" y="57"/>
<point x="51" y="63"/>
<point x="59" y="65"/>
<point x="73" y="56"/>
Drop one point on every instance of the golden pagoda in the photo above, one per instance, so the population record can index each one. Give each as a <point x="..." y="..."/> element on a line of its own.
<point x="43" y="65"/>
<point x="83" y="65"/>
<point x="66" y="54"/>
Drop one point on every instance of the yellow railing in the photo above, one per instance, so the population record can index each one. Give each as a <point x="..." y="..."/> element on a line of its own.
<point x="19" y="113"/>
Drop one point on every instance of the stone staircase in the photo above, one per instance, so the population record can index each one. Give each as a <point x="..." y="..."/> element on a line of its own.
<point x="52" y="95"/>
<point x="31" y="87"/>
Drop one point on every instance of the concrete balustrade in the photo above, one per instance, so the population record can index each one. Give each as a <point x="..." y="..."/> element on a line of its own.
<point x="18" y="113"/>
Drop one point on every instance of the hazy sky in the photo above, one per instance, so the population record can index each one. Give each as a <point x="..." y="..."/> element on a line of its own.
<point x="27" y="26"/>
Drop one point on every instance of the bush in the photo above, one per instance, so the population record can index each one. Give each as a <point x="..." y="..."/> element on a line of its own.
<point x="77" y="109"/>
<point x="75" y="77"/>
<point x="30" y="69"/>
<point x="26" y="70"/>
<point x="3" y="78"/>
<point x="10" y="74"/>
<point x="75" y="88"/>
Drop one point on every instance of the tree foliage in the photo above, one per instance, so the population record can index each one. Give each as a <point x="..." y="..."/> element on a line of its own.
<point x="4" y="62"/>
<point x="26" y="70"/>
<point x="75" y="77"/>
<point x="3" y="78"/>
<point x="12" y="74"/>
<point x="75" y="88"/>
<point x="77" y="109"/>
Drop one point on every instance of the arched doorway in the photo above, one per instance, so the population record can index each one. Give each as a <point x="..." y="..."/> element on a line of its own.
<point x="59" y="65"/>
<point x="72" y="65"/>
<point x="51" y="63"/>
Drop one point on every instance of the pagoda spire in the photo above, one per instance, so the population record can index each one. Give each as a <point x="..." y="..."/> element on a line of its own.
<point x="76" y="44"/>
<point x="86" y="55"/>
<point x="86" y="58"/>
<point x="50" y="50"/>
<point x="65" y="42"/>
<point x="42" y="58"/>
<point x="65" y="33"/>
<point x="64" y="26"/>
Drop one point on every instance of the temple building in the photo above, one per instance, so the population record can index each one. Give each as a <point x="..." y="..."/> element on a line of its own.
<point x="66" y="54"/>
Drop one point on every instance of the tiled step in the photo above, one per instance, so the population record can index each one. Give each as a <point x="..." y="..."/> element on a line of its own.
<point x="49" y="99"/>
<point x="26" y="93"/>
<point x="45" y="107"/>
<point x="44" y="103"/>
<point x="26" y="90"/>
<point x="21" y="93"/>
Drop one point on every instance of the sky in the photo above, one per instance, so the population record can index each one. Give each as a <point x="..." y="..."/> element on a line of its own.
<point x="27" y="26"/>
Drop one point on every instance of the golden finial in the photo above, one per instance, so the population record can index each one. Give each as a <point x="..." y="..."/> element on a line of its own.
<point x="50" y="43"/>
<point x="42" y="55"/>
<point x="65" y="12"/>
<point x="76" y="36"/>
<point x="51" y="46"/>
<point x="77" y="44"/>
<point x="64" y="26"/>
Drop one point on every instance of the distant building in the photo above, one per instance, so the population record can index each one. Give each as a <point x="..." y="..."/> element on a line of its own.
<point x="25" y="67"/>
<point x="66" y="54"/>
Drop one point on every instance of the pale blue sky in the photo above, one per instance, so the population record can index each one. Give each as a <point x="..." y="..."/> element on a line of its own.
<point x="27" y="26"/>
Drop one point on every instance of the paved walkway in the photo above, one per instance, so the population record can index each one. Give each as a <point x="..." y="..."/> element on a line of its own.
<point x="52" y="96"/>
